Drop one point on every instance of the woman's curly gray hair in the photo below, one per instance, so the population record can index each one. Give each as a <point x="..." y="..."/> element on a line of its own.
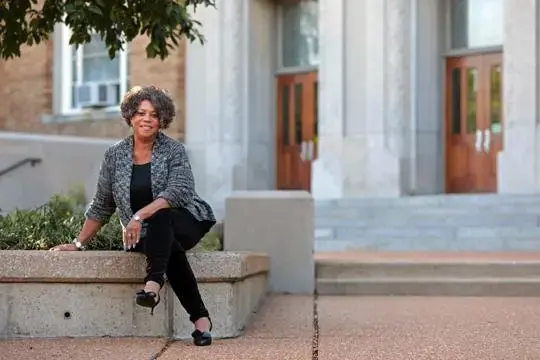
<point x="161" y="101"/>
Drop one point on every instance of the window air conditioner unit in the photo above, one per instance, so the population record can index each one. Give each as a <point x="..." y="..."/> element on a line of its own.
<point x="96" y="95"/>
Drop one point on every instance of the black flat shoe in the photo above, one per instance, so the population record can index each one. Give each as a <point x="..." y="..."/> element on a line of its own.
<point x="147" y="299"/>
<point x="202" y="338"/>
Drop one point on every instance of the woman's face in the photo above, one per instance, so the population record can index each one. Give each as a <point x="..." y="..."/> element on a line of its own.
<point x="145" y="122"/>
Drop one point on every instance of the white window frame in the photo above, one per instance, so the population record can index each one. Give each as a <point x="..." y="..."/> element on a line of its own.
<point x="66" y="81"/>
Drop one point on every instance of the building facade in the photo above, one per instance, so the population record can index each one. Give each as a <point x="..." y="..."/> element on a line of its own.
<point x="352" y="98"/>
<point x="39" y="89"/>
<point x="344" y="98"/>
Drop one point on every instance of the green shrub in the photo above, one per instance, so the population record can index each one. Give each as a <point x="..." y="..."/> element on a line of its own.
<point x="59" y="221"/>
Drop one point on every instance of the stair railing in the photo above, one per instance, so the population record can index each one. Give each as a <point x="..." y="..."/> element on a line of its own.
<point x="32" y="161"/>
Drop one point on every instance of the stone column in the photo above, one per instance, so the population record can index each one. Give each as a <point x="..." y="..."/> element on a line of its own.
<point x="427" y="92"/>
<point x="518" y="162"/>
<point x="215" y="98"/>
<point x="378" y="102"/>
<point x="397" y="82"/>
<point x="327" y="180"/>
<point x="230" y="99"/>
<point x="364" y="124"/>
<point x="397" y="77"/>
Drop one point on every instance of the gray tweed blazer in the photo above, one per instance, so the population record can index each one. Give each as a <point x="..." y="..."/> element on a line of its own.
<point x="172" y="179"/>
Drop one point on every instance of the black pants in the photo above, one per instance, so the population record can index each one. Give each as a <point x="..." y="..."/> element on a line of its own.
<point x="171" y="232"/>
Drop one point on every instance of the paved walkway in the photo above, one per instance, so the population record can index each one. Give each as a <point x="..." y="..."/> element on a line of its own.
<point x="350" y="328"/>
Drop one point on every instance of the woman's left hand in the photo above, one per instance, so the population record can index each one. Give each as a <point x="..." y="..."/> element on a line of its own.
<point x="132" y="234"/>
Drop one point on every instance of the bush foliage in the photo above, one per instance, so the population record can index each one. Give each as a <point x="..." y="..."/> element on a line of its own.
<point x="60" y="220"/>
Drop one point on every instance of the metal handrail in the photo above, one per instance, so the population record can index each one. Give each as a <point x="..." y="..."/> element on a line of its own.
<point x="18" y="164"/>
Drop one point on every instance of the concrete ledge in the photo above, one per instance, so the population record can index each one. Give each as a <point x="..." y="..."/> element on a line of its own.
<point x="120" y="267"/>
<point x="56" y="294"/>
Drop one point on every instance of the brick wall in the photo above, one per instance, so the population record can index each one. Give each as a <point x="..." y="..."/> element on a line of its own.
<point x="27" y="83"/>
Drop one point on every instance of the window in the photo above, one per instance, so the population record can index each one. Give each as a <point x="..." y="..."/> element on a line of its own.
<point x="299" y="33"/>
<point x="475" y="23"/>
<point x="90" y="79"/>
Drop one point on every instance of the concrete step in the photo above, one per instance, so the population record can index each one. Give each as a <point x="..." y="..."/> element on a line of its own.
<point x="364" y="209"/>
<point x="353" y="269"/>
<point x="430" y="287"/>
<point x="431" y="219"/>
<point x="428" y="232"/>
<point x="444" y="200"/>
<point x="428" y="238"/>
<point x="495" y="243"/>
<point x="429" y="273"/>
<point x="430" y="223"/>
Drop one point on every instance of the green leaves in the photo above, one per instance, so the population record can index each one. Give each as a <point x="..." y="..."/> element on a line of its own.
<point x="165" y="22"/>
<point x="60" y="220"/>
<point x="57" y="222"/>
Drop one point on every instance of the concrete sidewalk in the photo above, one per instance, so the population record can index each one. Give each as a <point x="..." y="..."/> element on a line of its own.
<point x="350" y="328"/>
<point x="282" y="330"/>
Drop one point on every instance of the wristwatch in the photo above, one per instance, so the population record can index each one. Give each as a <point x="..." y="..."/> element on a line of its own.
<point x="79" y="245"/>
<point x="137" y="217"/>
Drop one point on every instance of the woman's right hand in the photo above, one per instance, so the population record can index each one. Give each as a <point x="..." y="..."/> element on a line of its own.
<point x="64" y="247"/>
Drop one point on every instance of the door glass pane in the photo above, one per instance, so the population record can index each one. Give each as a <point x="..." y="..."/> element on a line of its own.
<point x="285" y="115"/>
<point x="298" y="113"/>
<point x="476" y="23"/>
<point x="496" y="100"/>
<point x="456" y="101"/>
<point x="300" y="33"/>
<point x="472" y="95"/>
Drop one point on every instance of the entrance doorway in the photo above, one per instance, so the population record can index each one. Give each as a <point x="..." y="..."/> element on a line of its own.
<point x="474" y="122"/>
<point x="297" y="101"/>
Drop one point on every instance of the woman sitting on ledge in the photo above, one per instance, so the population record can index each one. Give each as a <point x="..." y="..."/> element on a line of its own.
<point x="148" y="177"/>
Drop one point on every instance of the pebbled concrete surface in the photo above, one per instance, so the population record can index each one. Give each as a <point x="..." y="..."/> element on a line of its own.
<point x="283" y="317"/>
<point x="282" y="330"/>
<point x="351" y="328"/>
<point x="416" y="328"/>
<point x="81" y="349"/>
<point x="244" y="349"/>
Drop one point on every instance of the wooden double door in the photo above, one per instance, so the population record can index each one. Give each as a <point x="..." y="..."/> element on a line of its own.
<point x="474" y="122"/>
<point x="297" y="109"/>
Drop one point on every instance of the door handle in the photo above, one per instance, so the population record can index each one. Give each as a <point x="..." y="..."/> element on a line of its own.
<point x="303" y="151"/>
<point x="487" y="140"/>
<point x="310" y="150"/>
<point x="478" y="141"/>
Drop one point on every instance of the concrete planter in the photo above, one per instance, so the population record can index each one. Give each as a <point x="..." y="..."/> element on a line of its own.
<point x="76" y="294"/>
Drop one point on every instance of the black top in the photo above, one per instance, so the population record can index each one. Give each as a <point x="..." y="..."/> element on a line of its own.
<point x="141" y="187"/>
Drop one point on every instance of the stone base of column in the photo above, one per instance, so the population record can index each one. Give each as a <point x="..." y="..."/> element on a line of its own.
<point x="216" y="169"/>
<point x="517" y="170"/>
<point x="357" y="166"/>
<point x="518" y="164"/>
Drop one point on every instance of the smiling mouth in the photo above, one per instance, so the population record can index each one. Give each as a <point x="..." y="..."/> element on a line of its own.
<point x="146" y="127"/>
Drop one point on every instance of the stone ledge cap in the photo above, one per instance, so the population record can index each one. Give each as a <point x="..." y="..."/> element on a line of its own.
<point x="121" y="267"/>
